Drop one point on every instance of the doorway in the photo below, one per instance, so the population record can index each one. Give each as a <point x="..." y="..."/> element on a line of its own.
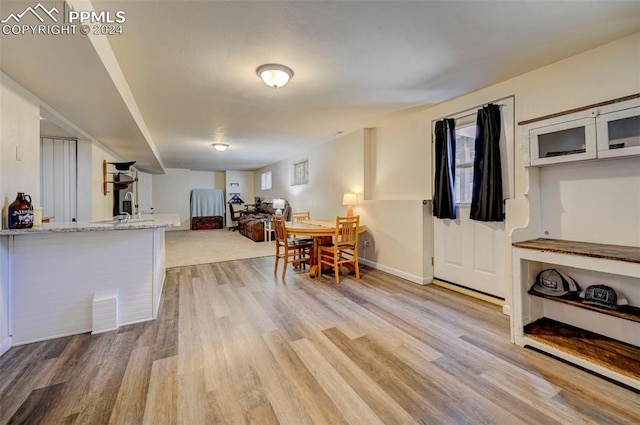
<point x="467" y="253"/>
<point x="59" y="170"/>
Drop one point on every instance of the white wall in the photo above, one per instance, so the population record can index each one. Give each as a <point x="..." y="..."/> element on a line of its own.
<point x="171" y="194"/>
<point x="595" y="201"/>
<point x="85" y="185"/>
<point x="101" y="204"/>
<point x="172" y="191"/>
<point x="207" y="179"/>
<point x="20" y="129"/>
<point x="20" y="118"/>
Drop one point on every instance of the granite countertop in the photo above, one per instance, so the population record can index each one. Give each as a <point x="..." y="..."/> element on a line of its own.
<point x="151" y="221"/>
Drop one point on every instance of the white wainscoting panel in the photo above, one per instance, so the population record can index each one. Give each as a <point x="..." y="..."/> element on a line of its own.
<point x="57" y="274"/>
<point x="159" y="270"/>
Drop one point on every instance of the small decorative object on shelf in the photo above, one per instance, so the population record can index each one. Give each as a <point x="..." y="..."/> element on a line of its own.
<point x="122" y="166"/>
<point x="554" y="283"/>
<point x="21" y="212"/>
<point x="235" y="199"/>
<point x="603" y="296"/>
<point x="119" y="183"/>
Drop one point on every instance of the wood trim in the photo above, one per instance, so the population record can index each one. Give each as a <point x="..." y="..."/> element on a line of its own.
<point x="582" y="108"/>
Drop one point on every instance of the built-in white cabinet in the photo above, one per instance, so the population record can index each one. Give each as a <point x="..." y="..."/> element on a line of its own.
<point x="606" y="130"/>
<point x="605" y="341"/>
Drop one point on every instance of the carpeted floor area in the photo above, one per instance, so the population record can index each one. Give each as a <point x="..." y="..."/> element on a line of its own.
<point x="188" y="247"/>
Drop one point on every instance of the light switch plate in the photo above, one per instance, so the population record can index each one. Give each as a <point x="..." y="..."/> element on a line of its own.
<point x="18" y="153"/>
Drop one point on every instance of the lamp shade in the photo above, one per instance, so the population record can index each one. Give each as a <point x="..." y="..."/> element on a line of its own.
<point x="278" y="203"/>
<point x="274" y="75"/>
<point x="349" y="199"/>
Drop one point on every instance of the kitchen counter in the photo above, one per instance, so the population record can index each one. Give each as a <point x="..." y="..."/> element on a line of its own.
<point x="72" y="278"/>
<point x="143" y="222"/>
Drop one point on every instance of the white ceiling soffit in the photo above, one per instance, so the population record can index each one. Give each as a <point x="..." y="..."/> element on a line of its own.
<point x="67" y="74"/>
<point x="190" y="66"/>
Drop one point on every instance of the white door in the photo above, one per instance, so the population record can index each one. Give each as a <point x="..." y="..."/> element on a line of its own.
<point x="470" y="253"/>
<point x="58" y="179"/>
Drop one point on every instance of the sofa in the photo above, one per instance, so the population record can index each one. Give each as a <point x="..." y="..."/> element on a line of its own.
<point x="251" y="224"/>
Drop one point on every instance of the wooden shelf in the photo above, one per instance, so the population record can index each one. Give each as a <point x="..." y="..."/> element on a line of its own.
<point x="630" y="254"/>
<point x="116" y="183"/>
<point x="607" y="352"/>
<point x="626" y="312"/>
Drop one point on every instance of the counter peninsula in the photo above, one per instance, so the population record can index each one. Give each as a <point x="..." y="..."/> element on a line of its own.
<point x="71" y="278"/>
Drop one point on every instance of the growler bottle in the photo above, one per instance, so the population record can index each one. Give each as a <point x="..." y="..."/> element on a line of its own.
<point x="21" y="212"/>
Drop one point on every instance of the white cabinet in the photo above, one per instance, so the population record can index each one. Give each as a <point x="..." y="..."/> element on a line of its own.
<point x="618" y="130"/>
<point x="607" y="130"/>
<point x="598" y="339"/>
<point x="563" y="139"/>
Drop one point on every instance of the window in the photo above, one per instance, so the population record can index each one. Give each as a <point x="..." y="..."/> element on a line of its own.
<point x="300" y="173"/>
<point x="265" y="180"/>
<point x="465" y="152"/>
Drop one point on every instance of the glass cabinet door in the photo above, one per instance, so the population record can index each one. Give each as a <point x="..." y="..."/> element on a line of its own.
<point x="563" y="142"/>
<point x="619" y="133"/>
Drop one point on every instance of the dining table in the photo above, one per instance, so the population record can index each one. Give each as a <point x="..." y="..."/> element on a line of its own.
<point x="319" y="230"/>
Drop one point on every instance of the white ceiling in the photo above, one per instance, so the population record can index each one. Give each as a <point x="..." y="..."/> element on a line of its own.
<point x="190" y="66"/>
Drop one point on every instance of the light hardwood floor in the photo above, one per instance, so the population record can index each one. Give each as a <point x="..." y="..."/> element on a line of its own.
<point x="235" y="345"/>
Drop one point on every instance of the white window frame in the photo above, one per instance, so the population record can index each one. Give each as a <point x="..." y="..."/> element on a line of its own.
<point x="464" y="123"/>
<point x="266" y="180"/>
<point x="300" y="172"/>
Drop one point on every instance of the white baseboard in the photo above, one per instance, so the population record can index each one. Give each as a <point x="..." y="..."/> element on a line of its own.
<point x="506" y="310"/>
<point x="399" y="273"/>
<point x="5" y="345"/>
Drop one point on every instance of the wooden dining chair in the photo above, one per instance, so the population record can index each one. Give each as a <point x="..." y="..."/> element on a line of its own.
<point x="300" y="216"/>
<point x="344" y="247"/>
<point x="288" y="249"/>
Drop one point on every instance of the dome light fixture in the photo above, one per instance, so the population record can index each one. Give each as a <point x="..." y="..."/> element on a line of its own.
<point x="274" y="75"/>
<point x="220" y="147"/>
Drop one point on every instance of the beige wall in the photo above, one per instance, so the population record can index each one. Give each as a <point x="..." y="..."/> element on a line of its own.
<point x="335" y="168"/>
<point x="245" y="185"/>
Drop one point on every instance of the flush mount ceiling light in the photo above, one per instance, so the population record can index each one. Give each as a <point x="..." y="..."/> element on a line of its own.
<point x="274" y="75"/>
<point x="220" y="147"/>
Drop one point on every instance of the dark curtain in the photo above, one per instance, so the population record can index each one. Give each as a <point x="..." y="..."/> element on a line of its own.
<point x="444" y="205"/>
<point x="487" y="199"/>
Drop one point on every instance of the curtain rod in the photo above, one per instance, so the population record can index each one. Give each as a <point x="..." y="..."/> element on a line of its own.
<point x="73" y="139"/>
<point x="474" y="109"/>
